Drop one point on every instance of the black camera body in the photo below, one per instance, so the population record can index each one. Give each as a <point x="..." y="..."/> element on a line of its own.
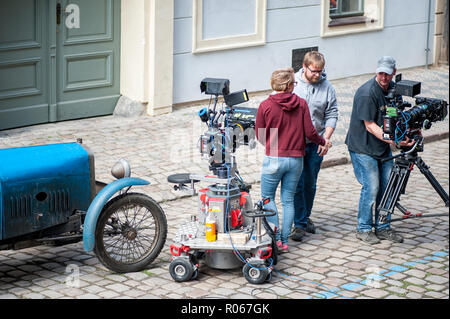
<point x="398" y="123"/>
<point x="242" y="121"/>
<point x="228" y="128"/>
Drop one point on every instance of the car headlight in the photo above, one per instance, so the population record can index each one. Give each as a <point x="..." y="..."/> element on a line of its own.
<point x="121" y="169"/>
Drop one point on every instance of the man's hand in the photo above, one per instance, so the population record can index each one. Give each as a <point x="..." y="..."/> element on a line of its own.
<point x="407" y="142"/>
<point x="377" y="131"/>
<point x="323" y="150"/>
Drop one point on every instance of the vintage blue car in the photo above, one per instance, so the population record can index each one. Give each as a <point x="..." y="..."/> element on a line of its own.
<point x="49" y="195"/>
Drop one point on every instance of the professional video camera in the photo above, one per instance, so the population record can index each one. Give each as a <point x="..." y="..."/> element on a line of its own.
<point x="399" y="124"/>
<point x="228" y="128"/>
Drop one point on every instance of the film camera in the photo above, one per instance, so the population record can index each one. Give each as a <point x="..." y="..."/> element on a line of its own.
<point x="398" y="123"/>
<point x="228" y="128"/>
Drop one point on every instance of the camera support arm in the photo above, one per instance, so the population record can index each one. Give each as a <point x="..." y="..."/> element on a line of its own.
<point x="413" y="148"/>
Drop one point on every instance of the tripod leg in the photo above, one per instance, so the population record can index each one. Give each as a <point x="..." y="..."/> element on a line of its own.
<point x="396" y="185"/>
<point x="403" y="209"/>
<point x="406" y="213"/>
<point x="424" y="169"/>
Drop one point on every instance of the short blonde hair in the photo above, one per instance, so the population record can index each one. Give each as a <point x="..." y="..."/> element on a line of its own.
<point x="281" y="78"/>
<point x="314" y="58"/>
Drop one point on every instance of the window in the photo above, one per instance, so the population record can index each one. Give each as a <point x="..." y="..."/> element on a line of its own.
<point x="346" y="8"/>
<point x="222" y="25"/>
<point x="351" y="16"/>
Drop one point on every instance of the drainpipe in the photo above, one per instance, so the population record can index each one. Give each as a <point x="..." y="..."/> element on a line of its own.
<point x="427" y="50"/>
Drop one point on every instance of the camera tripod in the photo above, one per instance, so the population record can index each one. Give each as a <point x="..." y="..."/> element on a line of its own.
<point x="403" y="165"/>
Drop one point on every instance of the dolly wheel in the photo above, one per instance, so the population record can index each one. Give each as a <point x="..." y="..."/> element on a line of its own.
<point x="269" y="277"/>
<point x="181" y="269"/>
<point x="195" y="274"/>
<point x="255" y="274"/>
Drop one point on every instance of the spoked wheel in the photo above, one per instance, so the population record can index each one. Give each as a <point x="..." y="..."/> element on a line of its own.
<point x="256" y="273"/>
<point x="130" y="233"/>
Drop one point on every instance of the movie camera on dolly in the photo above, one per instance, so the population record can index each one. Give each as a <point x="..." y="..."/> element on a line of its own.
<point x="228" y="231"/>
<point x="399" y="124"/>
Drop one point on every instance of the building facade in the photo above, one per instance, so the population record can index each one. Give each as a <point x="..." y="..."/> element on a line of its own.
<point x="66" y="59"/>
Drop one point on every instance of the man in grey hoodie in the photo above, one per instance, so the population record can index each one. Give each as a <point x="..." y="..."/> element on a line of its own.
<point x="320" y="95"/>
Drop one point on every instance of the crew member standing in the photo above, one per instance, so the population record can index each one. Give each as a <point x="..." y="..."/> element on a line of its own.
<point x="367" y="150"/>
<point x="320" y="95"/>
<point x="282" y="124"/>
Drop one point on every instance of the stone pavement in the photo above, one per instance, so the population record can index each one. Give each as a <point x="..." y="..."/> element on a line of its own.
<point x="329" y="264"/>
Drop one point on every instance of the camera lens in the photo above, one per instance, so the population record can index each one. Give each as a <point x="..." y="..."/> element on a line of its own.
<point x="203" y="113"/>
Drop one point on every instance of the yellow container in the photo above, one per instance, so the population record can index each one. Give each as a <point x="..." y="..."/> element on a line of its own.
<point x="210" y="229"/>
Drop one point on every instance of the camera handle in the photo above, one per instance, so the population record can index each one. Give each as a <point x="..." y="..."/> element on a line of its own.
<point x="259" y="214"/>
<point x="413" y="148"/>
<point x="213" y="112"/>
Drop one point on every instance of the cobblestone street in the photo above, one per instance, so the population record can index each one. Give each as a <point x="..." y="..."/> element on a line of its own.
<point x="329" y="264"/>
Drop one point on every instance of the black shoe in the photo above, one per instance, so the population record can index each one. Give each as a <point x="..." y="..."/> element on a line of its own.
<point x="310" y="228"/>
<point x="368" y="237"/>
<point x="297" y="234"/>
<point x="390" y="235"/>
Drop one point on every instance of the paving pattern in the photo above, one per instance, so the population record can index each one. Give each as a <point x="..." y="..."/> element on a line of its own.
<point x="329" y="264"/>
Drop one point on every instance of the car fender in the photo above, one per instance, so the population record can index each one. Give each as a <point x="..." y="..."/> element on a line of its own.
<point x="99" y="202"/>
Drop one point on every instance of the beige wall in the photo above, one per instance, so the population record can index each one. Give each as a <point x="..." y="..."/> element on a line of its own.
<point x="146" y="64"/>
<point x="441" y="33"/>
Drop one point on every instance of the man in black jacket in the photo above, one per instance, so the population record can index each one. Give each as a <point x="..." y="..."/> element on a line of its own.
<point x="367" y="148"/>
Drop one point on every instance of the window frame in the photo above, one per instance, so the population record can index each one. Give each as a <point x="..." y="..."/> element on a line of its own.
<point x="371" y="20"/>
<point x="348" y="14"/>
<point x="200" y="45"/>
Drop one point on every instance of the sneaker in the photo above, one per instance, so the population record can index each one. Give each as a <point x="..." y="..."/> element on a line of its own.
<point x="284" y="248"/>
<point x="279" y="244"/>
<point x="390" y="235"/>
<point x="368" y="237"/>
<point x="310" y="228"/>
<point x="298" y="234"/>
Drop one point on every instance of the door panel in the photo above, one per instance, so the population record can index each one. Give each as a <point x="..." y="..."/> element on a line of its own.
<point x="21" y="77"/>
<point x="23" y="63"/>
<point x="100" y="14"/>
<point x="86" y="71"/>
<point x="20" y="24"/>
<point x="52" y="72"/>
<point x="88" y="63"/>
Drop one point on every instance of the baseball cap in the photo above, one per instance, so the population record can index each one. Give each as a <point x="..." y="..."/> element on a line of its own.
<point x="386" y="64"/>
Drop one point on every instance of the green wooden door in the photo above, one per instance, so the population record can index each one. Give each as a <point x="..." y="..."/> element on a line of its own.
<point x="24" y="73"/>
<point x="88" y="60"/>
<point x="59" y="60"/>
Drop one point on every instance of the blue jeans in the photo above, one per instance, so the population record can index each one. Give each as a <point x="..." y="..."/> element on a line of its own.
<point x="286" y="170"/>
<point x="306" y="187"/>
<point x="373" y="175"/>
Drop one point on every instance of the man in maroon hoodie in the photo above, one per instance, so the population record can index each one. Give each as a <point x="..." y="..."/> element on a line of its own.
<point x="282" y="124"/>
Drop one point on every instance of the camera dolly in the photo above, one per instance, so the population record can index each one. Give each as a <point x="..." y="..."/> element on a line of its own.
<point x="228" y="231"/>
<point x="243" y="238"/>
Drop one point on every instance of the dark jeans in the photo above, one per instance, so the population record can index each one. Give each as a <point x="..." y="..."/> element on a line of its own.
<point x="306" y="187"/>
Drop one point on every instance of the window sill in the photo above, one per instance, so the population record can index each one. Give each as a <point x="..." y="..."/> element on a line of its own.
<point x="350" y="20"/>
